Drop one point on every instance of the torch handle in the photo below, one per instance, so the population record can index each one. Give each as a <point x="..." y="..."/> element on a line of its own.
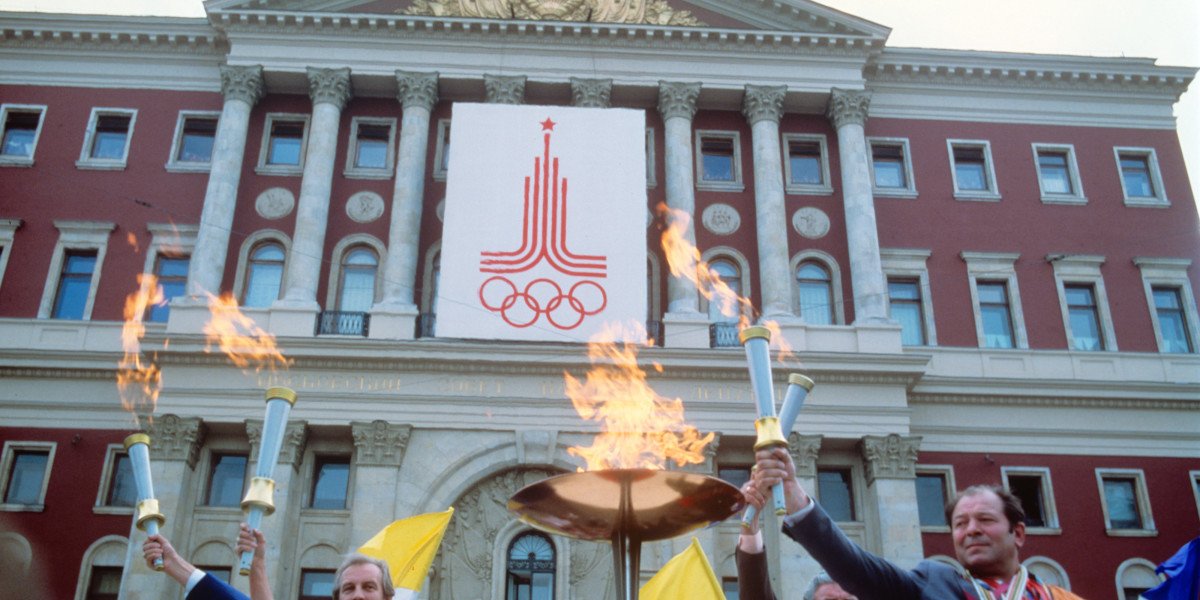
<point x="152" y="529"/>
<point x="254" y="520"/>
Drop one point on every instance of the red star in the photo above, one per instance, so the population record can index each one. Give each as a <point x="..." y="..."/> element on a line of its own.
<point x="548" y="125"/>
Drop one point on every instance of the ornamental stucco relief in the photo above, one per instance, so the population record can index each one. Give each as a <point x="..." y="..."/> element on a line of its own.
<point x="650" y="12"/>
<point x="721" y="219"/>
<point x="275" y="203"/>
<point x="364" y="207"/>
<point x="811" y="222"/>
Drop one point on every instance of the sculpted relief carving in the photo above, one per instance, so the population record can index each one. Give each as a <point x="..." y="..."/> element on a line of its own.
<point x="652" y="12"/>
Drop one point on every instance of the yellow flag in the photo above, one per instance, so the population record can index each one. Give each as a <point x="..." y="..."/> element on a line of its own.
<point x="408" y="546"/>
<point x="688" y="576"/>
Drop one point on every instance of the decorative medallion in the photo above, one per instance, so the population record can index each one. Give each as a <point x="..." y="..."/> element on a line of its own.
<point x="649" y="12"/>
<point x="364" y="207"/>
<point x="275" y="203"/>
<point x="721" y="219"/>
<point x="811" y="222"/>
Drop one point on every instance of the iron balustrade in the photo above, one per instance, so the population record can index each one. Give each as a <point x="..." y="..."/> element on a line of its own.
<point x="335" y="322"/>
<point x="723" y="335"/>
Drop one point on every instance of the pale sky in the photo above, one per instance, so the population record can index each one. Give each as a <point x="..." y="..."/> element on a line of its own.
<point x="1168" y="30"/>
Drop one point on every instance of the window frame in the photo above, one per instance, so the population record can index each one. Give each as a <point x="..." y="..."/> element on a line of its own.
<point x="8" y="231"/>
<point x="948" y="491"/>
<point x="856" y="489"/>
<point x="102" y="507"/>
<point x="10" y="160"/>
<point x="175" y="165"/>
<point x="441" y="158"/>
<point x="907" y="263"/>
<point x="1141" y="496"/>
<point x="651" y="157"/>
<point x="735" y="138"/>
<point x="1049" y="508"/>
<point x="8" y="458"/>
<point x="838" y="311"/>
<point x="825" y="188"/>
<point x="86" y="160"/>
<point x="996" y="266"/>
<point x="1076" y="196"/>
<point x="250" y="243"/>
<point x="205" y="498"/>
<point x="992" y="191"/>
<point x="73" y="236"/>
<point x="172" y="240"/>
<point x="1170" y="272"/>
<point x="910" y="182"/>
<point x="1083" y="269"/>
<point x="1132" y="563"/>
<point x="1159" y="198"/>
<point x="739" y="260"/>
<point x="352" y="170"/>
<point x="345" y="245"/>
<point x="300" y="581"/>
<point x="317" y="460"/>
<point x="264" y="149"/>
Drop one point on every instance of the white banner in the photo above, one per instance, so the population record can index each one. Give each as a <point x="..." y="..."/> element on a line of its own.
<point x="544" y="235"/>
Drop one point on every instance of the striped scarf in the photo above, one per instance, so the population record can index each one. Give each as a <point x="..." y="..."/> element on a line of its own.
<point x="1022" y="587"/>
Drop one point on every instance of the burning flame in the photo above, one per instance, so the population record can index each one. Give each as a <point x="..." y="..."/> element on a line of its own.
<point x="684" y="260"/>
<point x="138" y="383"/>
<point x="640" y="429"/>
<point x="241" y="339"/>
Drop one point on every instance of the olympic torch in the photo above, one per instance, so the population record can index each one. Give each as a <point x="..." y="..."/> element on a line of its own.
<point x="148" y="518"/>
<point x="258" y="501"/>
<point x="757" y="342"/>
<point x="798" y="388"/>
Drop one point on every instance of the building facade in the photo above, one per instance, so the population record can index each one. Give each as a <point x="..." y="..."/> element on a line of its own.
<point x="986" y="261"/>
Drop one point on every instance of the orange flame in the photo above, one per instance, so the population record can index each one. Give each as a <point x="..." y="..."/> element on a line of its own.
<point x="241" y="339"/>
<point x="684" y="260"/>
<point x="133" y="242"/>
<point x="640" y="429"/>
<point x="138" y="383"/>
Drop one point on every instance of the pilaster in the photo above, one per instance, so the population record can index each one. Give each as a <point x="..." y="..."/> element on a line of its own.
<point x="891" y="498"/>
<point x="378" y="453"/>
<point x="593" y="93"/>
<point x="504" y="89"/>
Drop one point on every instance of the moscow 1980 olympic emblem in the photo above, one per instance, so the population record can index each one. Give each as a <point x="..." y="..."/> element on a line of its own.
<point x="565" y="302"/>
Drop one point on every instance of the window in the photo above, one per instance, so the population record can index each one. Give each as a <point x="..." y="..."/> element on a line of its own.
<point x="816" y="293"/>
<point x="1032" y="485"/>
<point x="104" y="584"/>
<point x="891" y="168"/>
<point x="729" y="587"/>
<point x="74" y="283"/>
<point x="1058" y="175"/>
<point x="1125" y="501"/>
<point x="722" y="309"/>
<point x="972" y="170"/>
<point x="117" y="487"/>
<point x="1172" y="306"/>
<point x="316" y="584"/>
<point x="356" y="290"/>
<point x="935" y="486"/>
<point x="835" y="492"/>
<point x="441" y="153"/>
<point x="75" y="269"/>
<point x="106" y="145"/>
<point x="1141" y="181"/>
<point x="718" y="161"/>
<point x="531" y="565"/>
<point x="172" y="273"/>
<point x="1048" y="571"/>
<point x="226" y="480"/>
<point x="906" y="268"/>
<point x="20" y="127"/>
<point x="996" y="314"/>
<point x="195" y="135"/>
<point x="999" y="321"/>
<point x="25" y="472"/>
<point x="372" y="148"/>
<point x="1084" y="303"/>
<point x="264" y="275"/>
<point x="1083" y="317"/>
<point x="1134" y="577"/>
<point x="8" y="229"/>
<point x="807" y="165"/>
<point x="284" y="140"/>
<point x="904" y="300"/>
<point x="331" y="480"/>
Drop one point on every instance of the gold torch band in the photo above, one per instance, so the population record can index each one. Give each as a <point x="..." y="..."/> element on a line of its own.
<point x="137" y="438"/>
<point x="260" y="494"/>
<point x="147" y="510"/>
<point x="769" y="433"/>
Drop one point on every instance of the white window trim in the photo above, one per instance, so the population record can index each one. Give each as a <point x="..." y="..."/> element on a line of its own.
<point x="175" y="165"/>
<point x="8" y="229"/>
<point x="169" y="239"/>
<point x="110" y="459"/>
<point x="252" y="240"/>
<point x="1049" y="509"/>
<point x="335" y="269"/>
<point x="311" y="457"/>
<point x="951" y="487"/>
<point x="1077" y="196"/>
<point x="835" y="280"/>
<point x="1053" y="565"/>
<point x="19" y="552"/>
<point x="910" y="264"/>
<point x="743" y="265"/>
<point x="654" y="311"/>
<point x="1083" y="269"/>
<point x="992" y="194"/>
<point x="1126" y="565"/>
<point x="910" y="184"/>
<point x="1143" y="499"/>
<point x="6" y="465"/>
<point x="1194" y="481"/>
<point x="21" y="161"/>
<point x="996" y="266"/>
<point x="428" y="302"/>
<point x="76" y="235"/>
<point x="737" y="185"/>
<point x="651" y="174"/>
<point x="1159" y="199"/>
<point x="1170" y="272"/>
<point x="105" y="164"/>
<point x="355" y="172"/>
<point x="265" y="147"/>
<point x="822" y="189"/>
<point x="108" y="551"/>
<point x="439" y="151"/>
<point x="224" y="447"/>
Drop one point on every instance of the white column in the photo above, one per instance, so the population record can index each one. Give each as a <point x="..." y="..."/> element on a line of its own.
<point x="891" y="497"/>
<point x="848" y="112"/>
<point x="395" y="315"/>
<point x="763" y="107"/>
<point x="329" y="90"/>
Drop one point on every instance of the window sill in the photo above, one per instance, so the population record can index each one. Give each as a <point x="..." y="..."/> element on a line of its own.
<point x="16" y="161"/>
<point x="894" y="193"/>
<point x="278" y="171"/>
<point x="100" y="165"/>
<point x="808" y="190"/>
<point x="1131" y="532"/>
<point x="23" y="507"/>
<point x="1043" y="530"/>
<point x="720" y="186"/>
<point x="977" y="196"/>
<point x="183" y="167"/>
<point x="1065" y="200"/>
<point x="367" y="173"/>
<point x="112" y="510"/>
<point x="935" y="529"/>
<point x="1154" y="202"/>
<point x="325" y="512"/>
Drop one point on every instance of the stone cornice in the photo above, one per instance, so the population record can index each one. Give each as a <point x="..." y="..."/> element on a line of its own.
<point x="1054" y="402"/>
<point x="109" y="33"/>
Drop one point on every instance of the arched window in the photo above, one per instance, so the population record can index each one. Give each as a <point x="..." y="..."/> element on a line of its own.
<point x="264" y="274"/>
<point x="356" y="290"/>
<point x="530" y="568"/>
<point x="730" y="275"/>
<point x="816" y="293"/>
<point x="1134" y="576"/>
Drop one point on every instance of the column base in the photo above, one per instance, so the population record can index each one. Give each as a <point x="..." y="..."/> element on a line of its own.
<point x="290" y="318"/>
<point x="686" y="330"/>
<point x="394" y="322"/>
<point x="188" y="315"/>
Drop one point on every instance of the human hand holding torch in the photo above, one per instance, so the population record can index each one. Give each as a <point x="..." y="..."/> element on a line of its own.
<point x="148" y="518"/>
<point x="258" y="501"/>
<point x="757" y="341"/>
<point x="798" y="388"/>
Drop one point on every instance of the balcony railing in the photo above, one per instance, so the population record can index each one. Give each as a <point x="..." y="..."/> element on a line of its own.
<point x="333" y="322"/>
<point x="723" y="335"/>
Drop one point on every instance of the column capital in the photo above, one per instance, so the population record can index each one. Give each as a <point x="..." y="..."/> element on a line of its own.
<point x="417" y="90"/>
<point x="848" y="107"/>
<point x="291" y="452"/>
<point x="891" y="456"/>
<point x="804" y="450"/>
<point x="242" y="83"/>
<point x="763" y="103"/>
<point x="594" y="93"/>
<point x="175" y="438"/>
<point x="329" y="85"/>
<point x="677" y="99"/>
<point x="504" y="89"/>
<point x="379" y="443"/>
